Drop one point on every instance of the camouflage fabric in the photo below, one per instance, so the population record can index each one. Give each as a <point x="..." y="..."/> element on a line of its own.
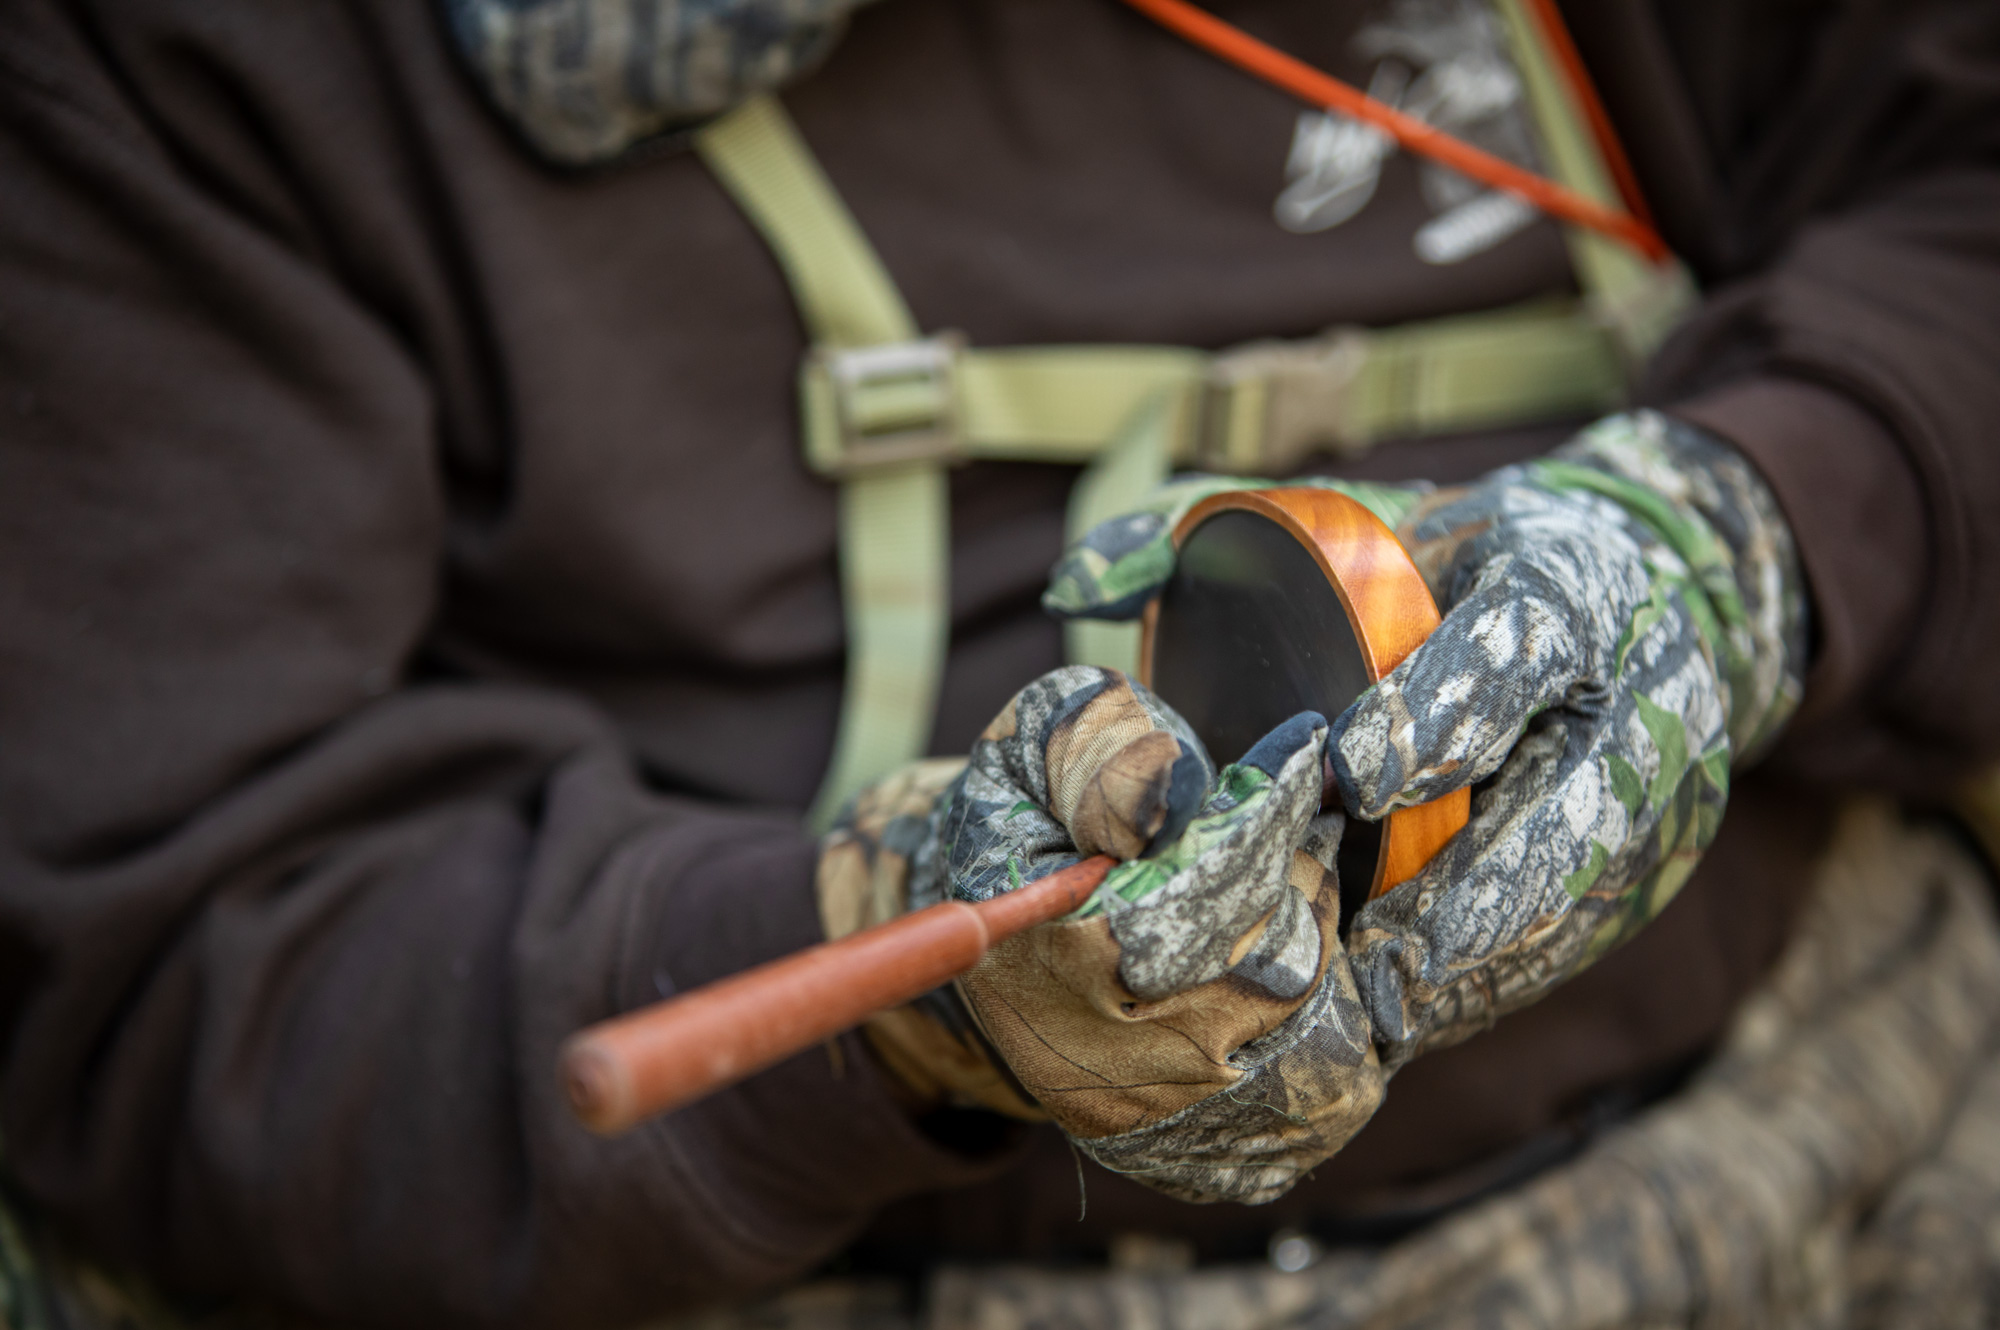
<point x="584" y="81"/>
<point x="1194" y="1025"/>
<point x="1835" y="1164"/>
<point x="1624" y="618"/>
<point x="1625" y="621"/>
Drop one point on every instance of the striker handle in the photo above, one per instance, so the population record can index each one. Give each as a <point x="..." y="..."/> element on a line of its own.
<point x="622" y="1071"/>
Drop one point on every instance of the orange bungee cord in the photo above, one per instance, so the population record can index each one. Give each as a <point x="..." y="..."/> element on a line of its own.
<point x="1322" y="90"/>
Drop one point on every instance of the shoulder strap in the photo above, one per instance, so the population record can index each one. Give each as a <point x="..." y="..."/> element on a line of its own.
<point x="895" y="547"/>
<point x="1638" y="300"/>
<point x="845" y="296"/>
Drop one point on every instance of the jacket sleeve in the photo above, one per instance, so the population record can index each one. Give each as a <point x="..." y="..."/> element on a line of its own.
<point x="1848" y="345"/>
<point x="288" y="939"/>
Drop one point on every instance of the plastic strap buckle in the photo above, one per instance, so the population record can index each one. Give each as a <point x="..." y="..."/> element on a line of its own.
<point x="1267" y="406"/>
<point x="889" y="405"/>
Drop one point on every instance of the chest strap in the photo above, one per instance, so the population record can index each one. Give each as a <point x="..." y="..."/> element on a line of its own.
<point x="886" y="410"/>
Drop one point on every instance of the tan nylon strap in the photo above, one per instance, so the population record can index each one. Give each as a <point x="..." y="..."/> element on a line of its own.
<point x="1274" y="404"/>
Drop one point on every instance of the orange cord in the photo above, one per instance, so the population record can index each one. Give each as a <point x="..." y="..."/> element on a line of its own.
<point x="1309" y="85"/>
<point x="1556" y="33"/>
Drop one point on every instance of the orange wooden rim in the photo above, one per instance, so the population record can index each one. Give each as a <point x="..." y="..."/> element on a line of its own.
<point x="1391" y="612"/>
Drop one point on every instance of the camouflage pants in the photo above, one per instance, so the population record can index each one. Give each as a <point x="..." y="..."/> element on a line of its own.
<point x="1836" y="1164"/>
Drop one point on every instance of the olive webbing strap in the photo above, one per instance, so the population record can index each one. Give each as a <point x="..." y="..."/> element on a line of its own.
<point x="895" y="546"/>
<point x="844" y="294"/>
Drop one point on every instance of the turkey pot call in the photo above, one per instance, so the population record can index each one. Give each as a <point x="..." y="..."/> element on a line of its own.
<point x="1290" y="600"/>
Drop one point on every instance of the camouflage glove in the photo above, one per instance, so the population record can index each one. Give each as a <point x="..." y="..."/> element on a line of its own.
<point x="1626" y="619"/>
<point x="1623" y="619"/>
<point x="1195" y="1024"/>
<point x="931" y="1048"/>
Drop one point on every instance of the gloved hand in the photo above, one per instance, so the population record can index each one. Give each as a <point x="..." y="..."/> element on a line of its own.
<point x="1623" y="620"/>
<point x="1195" y="1024"/>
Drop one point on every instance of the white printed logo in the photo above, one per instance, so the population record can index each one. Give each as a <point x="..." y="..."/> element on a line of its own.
<point x="1444" y="62"/>
<point x="1336" y="162"/>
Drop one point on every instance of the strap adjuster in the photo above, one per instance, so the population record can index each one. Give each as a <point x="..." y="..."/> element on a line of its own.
<point x="1267" y="406"/>
<point x="886" y="405"/>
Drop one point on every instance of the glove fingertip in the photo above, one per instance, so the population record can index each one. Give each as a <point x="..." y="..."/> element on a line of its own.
<point x="1341" y="777"/>
<point x="1113" y="571"/>
<point x="1270" y="753"/>
<point x="1187" y="786"/>
<point x="1063" y="605"/>
<point x="1366" y="769"/>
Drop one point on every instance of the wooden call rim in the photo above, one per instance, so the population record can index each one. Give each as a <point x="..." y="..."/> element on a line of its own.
<point x="1388" y="607"/>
